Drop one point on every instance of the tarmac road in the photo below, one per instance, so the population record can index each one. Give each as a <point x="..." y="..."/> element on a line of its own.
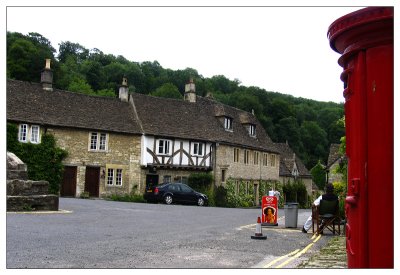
<point x="107" y="234"/>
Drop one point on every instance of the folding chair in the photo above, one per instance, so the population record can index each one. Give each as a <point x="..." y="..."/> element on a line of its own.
<point x="326" y="215"/>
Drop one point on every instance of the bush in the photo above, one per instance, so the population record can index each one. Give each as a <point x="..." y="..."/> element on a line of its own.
<point x="340" y="189"/>
<point x="44" y="160"/>
<point x="200" y="181"/>
<point x="220" y="196"/>
<point x="296" y="192"/>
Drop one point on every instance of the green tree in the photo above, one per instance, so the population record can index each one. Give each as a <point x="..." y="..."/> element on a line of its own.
<point x="315" y="142"/>
<point x="167" y="90"/>
<point x="319" y="175"/>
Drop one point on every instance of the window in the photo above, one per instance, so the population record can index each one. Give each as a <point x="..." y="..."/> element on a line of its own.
<point x="114" y="177"/>
<point x="236" y="152"/>
<point x="223" y="175"/>
<point x="167" y="179"/>
<point x="23" y="133"/>
<point x="197" y="149"/>
<point x="256" y="158"/>
<point x="272" y="160"/>
<point x="103" y="140"/>
<point x="228" y="123"/>
<point x="35" y="134"/>
<point x="246" y="156"/>
<point x="110" y="177"/>
<point x="252" y="130"/>
<point x="163" y="147"/>
<point x="29" y="133"/>
<point x="185" y="188"/>
<point x="93" y="141"/>
<point x="265" y="159"/>
<point x="118" y="179"/>
<point x="98" y="141"/>
<point x="180" y="179"/>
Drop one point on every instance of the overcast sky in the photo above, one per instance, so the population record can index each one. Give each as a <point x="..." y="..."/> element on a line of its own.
<point x="282" y="49"/>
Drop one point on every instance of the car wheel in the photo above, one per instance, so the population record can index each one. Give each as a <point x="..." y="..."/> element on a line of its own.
<point x="168" y="199"/>
<point x="200" y="201"/>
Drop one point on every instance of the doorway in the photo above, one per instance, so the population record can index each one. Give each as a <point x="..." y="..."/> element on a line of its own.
<point x="68" y="186"/>
<point x="92" y="181"/>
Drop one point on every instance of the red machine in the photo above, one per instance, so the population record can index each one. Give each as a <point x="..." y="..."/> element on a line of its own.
<point x="365" y="40"/>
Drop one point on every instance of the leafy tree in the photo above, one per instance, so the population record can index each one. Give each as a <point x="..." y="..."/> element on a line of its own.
<point x="314" y="140"/>
<point x="77" y="51"/>
<point x="318" y="175"/>
<point x="80" y="85"/>
<point x="167" y="90"/>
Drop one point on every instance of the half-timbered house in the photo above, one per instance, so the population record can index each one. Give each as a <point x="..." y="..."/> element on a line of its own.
<point x="120" y="145"/>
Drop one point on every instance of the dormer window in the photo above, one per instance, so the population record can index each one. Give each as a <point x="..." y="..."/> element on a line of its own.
<point x="252" y="130"/>
<point x="228" y="123"/>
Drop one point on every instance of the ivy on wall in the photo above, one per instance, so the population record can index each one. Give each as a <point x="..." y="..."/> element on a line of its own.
<point x="44" y="160"/>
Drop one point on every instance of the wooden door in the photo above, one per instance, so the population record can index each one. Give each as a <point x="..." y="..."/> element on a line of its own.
<point x="68" y="186"/>
<point x="92" y="178"/>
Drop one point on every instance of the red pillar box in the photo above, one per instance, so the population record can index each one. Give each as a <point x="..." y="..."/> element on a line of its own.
<point x="269" y="208"/>
<point x="365" y="40"/>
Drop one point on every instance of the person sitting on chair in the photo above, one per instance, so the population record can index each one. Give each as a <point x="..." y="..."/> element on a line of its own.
<point x="329" y="196"/>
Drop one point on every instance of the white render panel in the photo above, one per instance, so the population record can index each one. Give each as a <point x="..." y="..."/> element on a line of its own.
<point x="179" y="157"/>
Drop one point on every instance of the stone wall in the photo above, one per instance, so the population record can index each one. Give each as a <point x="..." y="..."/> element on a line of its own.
<point x="123" y="152"/>
<point x="224" y="158"/>
<point x="26" y="195"/>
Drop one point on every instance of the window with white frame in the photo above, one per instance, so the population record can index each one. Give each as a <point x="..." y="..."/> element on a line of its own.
<point x="103" y="142"/>
<point x="228" y="123"/>
<point x="114" y="177"/>
<point x="252" y="130"/>
<point x="35" y="130"/>
<point x="23" y="133"/>
<point x="197" y="149"/>
<point x="98" y="141"/>
<point x="29" y="133"/>
<point x="163" y="147"/>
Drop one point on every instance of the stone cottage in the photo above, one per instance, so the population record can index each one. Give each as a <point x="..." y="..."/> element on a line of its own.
<point x="334" y="160"/>
<point x="292" y="168"/>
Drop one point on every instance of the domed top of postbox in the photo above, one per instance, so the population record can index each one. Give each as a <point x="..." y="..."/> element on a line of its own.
<point x="362" y="29"/>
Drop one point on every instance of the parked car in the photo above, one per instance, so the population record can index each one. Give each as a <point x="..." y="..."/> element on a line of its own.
<point x="174" y="193"/>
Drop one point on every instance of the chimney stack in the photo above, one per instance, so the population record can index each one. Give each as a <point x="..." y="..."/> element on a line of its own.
<point x="124" y="90"/>
<point x="46" y="77"/>
<point x="190" y="91"/>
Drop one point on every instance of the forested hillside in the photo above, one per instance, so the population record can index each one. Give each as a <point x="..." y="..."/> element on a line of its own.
<point x="309" y="126"/>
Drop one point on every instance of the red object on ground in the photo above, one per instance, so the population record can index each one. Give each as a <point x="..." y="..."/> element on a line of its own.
<point x="269" y="208"/>
<point x="365" y="40"/>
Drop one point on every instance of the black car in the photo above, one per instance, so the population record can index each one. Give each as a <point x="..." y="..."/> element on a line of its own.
<point x="174" y="193"/>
